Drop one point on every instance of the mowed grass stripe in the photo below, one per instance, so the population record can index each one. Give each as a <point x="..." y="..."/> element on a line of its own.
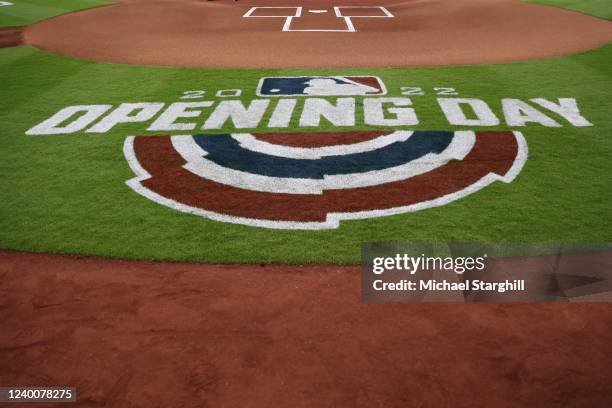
<point x="67" y="193"/>
<point x="25" y="12"/>
<point x="597" y="8"/>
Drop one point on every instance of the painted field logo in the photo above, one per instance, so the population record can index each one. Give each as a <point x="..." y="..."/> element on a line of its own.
<point x="313" y="181"/>
<point x="321" y="86"/>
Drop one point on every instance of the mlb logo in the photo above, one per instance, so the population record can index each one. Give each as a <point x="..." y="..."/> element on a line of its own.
<point x="321" y="86"/>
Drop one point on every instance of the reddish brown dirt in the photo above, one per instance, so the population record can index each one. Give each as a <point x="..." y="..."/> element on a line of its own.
<point x="423" y="33"/>
<point x="11" y="37"/>
<point x="144" y="334"/>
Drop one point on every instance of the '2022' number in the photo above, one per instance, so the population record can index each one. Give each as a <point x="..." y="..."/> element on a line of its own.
<point x="418" y="91"/>
<point x="404" y="90"/>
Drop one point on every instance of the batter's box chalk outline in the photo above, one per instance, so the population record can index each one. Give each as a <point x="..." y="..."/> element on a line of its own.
<point x="348" y="20"/>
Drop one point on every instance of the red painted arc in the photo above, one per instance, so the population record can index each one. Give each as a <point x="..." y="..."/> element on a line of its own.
<point x="493" y="152"/>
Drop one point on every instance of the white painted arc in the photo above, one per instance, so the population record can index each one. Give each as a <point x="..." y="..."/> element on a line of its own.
<point x="250" y="142"/>
<point x="197" y="164"/>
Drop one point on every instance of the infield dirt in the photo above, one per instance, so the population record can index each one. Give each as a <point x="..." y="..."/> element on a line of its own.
<point x="129" y="334"/>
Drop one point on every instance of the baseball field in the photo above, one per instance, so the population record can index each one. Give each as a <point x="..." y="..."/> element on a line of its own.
<point x="186" y="188"/>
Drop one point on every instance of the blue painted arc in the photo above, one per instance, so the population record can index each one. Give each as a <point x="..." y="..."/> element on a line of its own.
<point x="226" y="151"/>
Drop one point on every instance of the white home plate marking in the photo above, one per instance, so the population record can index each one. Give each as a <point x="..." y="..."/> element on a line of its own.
<point x="345" y="14"/>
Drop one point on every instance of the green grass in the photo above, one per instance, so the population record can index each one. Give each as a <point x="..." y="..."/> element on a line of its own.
<point x="25" y="12"/>
<point x="67" y="193"/>
<point x="597" y="8"/>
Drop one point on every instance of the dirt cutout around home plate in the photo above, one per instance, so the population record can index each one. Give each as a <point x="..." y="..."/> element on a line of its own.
<point x="352" y="33"/>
